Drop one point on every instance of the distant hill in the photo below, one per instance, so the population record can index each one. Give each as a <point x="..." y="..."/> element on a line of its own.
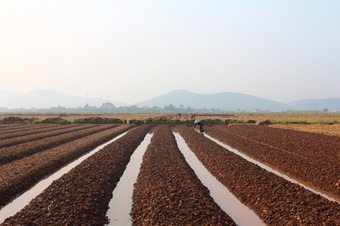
<point x="331" y="104"/>
<point x="46" y="99"/>
<point x="226" y="101"/>
<point x="299" y="103"/>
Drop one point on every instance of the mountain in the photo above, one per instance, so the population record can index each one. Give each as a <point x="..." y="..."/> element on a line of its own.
<point x="226" y="101"/>
<point x="46" y="99"/>
<point x="331" y="104"/>
<point x="298" y="103"/>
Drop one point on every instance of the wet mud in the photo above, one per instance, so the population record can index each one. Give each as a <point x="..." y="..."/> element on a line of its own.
<point x="19" y="151"/>
<point x="310" y="158"/>
<point x="274" y="199"/>
<point x="81" y="197"/>
<point x="42" y="134"/>
<point x="167" y="191"/>
<point x="6" y="133"/>
<point x="18" y="176"/>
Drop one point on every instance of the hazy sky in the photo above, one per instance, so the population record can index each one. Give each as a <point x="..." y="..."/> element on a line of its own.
<point x="131" y="51"/>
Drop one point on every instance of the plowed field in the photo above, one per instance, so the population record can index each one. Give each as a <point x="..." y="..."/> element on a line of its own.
<point x="312" y="158"/>
<point x="167" y="190"/>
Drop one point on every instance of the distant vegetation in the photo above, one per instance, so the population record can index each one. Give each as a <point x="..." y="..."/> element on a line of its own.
<point x="110" y="108"/>
<point x="97" y="120"/>
<point x="176" y="101"/>
<point x="55" y="120"/>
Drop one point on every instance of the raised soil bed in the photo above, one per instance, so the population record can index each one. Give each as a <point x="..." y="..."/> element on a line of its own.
<point x="167" y="191"/>
<point x="81" y="197"/>
<point x="317" y="164"/>
<point x="41" y="135"/>
<point x="273" y="198"/>
<point x="19" y="151"/>
<point x="20" y="175"/>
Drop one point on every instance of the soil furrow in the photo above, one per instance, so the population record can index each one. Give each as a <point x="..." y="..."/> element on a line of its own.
<point x="41" y="135"/>
<point x="18" y="176"/>
<point x="319" y="147"/>
<point x="274" y="199"/>
<point x="168" y="192"/>
<point x="19" y="151"/>
<point x="322" y="175"/>
<point x="11" y="127"/>
<point x="81" y="197"/>
<point x="27" y="129"/>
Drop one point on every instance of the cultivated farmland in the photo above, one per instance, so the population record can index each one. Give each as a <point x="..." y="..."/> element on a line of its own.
<point x="292" y="178"/>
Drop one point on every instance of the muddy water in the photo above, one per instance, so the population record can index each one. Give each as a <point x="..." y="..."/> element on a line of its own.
<point x="23" y="200"/>
<point x="268" y="168"/>
<point x="121" y="202"/>
<point x="240" y="213"/>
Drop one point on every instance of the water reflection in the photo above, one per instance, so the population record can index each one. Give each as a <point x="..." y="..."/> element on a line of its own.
<point x="240" y="213"/>
<point x="24" y="199"/>
<point x="121" y="202"/>
<point x="269" y="169"/>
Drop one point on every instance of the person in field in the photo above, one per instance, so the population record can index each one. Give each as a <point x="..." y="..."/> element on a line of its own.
<point x="200" y="123"/>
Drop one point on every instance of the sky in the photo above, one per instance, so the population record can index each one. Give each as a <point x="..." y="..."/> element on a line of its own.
<point x="132" y="50"/>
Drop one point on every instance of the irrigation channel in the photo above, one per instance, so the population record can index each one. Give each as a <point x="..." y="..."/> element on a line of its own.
<point x="121" y="202"/>
<point x="221" y="195"/>
<point x="269" y="169"/>
<point x="19" y="203"/>
<point x="130" y="165"/>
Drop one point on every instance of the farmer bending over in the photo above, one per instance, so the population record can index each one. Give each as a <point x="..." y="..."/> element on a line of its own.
<point x="200" y="123"/>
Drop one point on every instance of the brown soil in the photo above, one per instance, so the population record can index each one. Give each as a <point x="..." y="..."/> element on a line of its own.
<point x="312" y="158"/>
<point x="167" y="191"/>
<point x="6" y="126"/>
<point x="81" y="197"/>
<point x="25" y="130"/>
<point x="19" y="151"/>
<point x="302" y="143"/>
<point x="274" y="199"/>
<point x="20" y="175"/>
<point x="42" y="134"/>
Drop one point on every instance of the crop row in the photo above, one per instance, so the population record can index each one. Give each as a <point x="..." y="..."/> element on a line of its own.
<point x="19" y="175"/>
<point x="19" y="151"/>
<point x="4" y="127"/>
<point x="274" y="199"/>
<point x="81" y="197"/>
<point x="321" y="147"/>
<point x="16" y="127"/>
<point x="167" y="191"/>
<point x="313" y="170"/>
<point x="41" y="134"/>
<point x="27" y="129"/>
